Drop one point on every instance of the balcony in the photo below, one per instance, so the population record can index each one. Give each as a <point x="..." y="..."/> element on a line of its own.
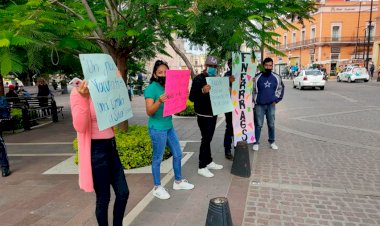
<point x="325" y="40"/>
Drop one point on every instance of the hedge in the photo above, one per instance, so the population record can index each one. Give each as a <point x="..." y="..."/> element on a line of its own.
<point x="16" y="122"/>
<point x="189" y="111"/>
<point x="134" y="147"/>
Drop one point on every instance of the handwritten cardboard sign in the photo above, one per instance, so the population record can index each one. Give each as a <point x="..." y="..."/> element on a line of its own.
<point x="244" y="71"/>
<point x="176" y="88"/>
<point x="107" y="89"/>
<point x="220" y="95"/>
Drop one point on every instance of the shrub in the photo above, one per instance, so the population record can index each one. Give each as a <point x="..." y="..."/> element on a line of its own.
<point x="189" y="111"/>
<point x="134" y="147"/>
<point x="16" y="115"/>
<point x="17" y="118"/>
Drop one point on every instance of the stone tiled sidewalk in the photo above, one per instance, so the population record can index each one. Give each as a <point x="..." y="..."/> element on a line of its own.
<point x="327" y="171"/>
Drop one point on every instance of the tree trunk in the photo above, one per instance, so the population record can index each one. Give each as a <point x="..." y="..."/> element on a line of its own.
<point x="121" y="63"/>
<point x="183" y="56"/>
<point x="2" y="92"/>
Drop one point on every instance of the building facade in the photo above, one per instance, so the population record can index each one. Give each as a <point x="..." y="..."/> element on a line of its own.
<point x="195" y="54"/>
<point x="337" y="36"/>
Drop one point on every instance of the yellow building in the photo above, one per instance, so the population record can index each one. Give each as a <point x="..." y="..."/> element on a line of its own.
<point x="337" y="36"/>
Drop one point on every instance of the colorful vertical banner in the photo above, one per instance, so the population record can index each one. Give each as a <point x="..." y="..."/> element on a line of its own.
<point x="177" y="91"/>
<point x="107" y="89"/>
<point x="220" y="95"/>
<point x="244" y="70"/>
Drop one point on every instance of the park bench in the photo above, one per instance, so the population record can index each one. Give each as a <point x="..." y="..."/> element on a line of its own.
<point x="36" y="108"/>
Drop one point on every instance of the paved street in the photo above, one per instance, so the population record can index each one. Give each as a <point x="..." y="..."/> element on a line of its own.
<point x="327" y="171"/>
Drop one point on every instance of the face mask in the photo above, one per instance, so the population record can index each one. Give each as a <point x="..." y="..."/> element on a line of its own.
<point x="211" y="71"/>
<point x="268" y="71"/>
<point x="161" y="80"/>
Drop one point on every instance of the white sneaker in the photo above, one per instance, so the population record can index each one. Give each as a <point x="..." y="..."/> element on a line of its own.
<point x="273" y="146"/>
<point x="161" y="192"/>
<point x="255" y="147"/>
<point x="205" y="172"/>
<point x="184" y="185"/>
<point x="214" y="166"/>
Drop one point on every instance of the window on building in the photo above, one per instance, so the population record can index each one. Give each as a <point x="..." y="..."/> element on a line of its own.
<point x="311" y="58"/>
<point x="303" y="36"/>
<point x="312" y="34"/>
<point x="294" y="37"/>
<point x="372" y="34"/>
<point x="334" y="56"/>
<point x="335" y="33"/>
<point x="285" y="42"/>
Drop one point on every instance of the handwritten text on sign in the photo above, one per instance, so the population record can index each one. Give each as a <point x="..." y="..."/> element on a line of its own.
<point x="108" y="91"/>
<point x="177" y="91"/>
<point x="220" y="95"/>
<point x="244" y="71"/>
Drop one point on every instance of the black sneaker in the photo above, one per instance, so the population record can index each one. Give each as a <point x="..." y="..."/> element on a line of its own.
<point x="6" y="172"/>
<point x="229" y="156"/>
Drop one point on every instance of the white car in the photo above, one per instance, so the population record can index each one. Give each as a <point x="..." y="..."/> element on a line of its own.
<point x="310" y="78"/>
<point x="353" y="73"/>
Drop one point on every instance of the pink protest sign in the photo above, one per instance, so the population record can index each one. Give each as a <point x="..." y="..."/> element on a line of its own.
<point x="243" y="69"/>
<point x="176" y="88"/>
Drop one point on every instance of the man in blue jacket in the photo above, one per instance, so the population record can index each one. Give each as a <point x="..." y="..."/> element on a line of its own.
<point x="269" y="90"/>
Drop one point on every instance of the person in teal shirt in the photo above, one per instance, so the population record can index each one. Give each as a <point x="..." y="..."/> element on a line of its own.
<point x="162" y="132"/>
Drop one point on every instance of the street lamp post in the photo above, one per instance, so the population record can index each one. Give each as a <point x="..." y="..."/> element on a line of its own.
<point x="357" y="31"/>
<point x="369" y="35"/>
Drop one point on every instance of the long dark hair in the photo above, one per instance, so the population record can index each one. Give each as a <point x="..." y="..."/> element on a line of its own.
<point x="155" y="67"/>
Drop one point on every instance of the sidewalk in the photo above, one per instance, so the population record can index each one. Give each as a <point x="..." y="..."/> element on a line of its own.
<point x="56" y="199"/>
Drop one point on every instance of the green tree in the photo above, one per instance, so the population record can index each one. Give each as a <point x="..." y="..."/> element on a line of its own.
<point x="224" y="25"/>
<point x="29" y="32"/>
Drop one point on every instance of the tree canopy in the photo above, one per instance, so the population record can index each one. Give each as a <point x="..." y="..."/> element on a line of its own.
<point x="32" y="31"/>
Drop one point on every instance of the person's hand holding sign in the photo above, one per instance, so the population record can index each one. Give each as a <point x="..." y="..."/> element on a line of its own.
<point x="163" y="98"/>
<point x="83" y="89"/>
<point x="206" y="88"/>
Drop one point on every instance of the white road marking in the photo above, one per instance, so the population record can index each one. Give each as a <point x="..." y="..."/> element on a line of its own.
<point x="340" y="126"/>
<point x="131" y="216"/>
<point x="69" y="167"/>
<point x="298" y="187"/>
<point x="325" y="139"/>
<point x="220" y="121"/>
<point x="341" y="96"/>
<point x="337" y="113"/>
<point x="41" y="155"/>
<point x="48" y="143"/>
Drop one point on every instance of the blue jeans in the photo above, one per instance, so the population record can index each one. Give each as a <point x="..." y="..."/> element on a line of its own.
<point x="107" y="170"/>
<point x="161" y="138"/>
<point x="269" y="111"/>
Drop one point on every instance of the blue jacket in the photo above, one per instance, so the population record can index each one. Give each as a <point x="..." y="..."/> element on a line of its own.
<point x="268" y="88"/>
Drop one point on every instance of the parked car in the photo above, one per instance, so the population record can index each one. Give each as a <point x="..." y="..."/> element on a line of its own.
<point x="353" y="73"/>
<point x="310" y="78"/>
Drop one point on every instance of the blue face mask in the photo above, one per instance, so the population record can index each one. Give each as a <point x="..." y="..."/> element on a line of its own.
<point x="211" y="71"/>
